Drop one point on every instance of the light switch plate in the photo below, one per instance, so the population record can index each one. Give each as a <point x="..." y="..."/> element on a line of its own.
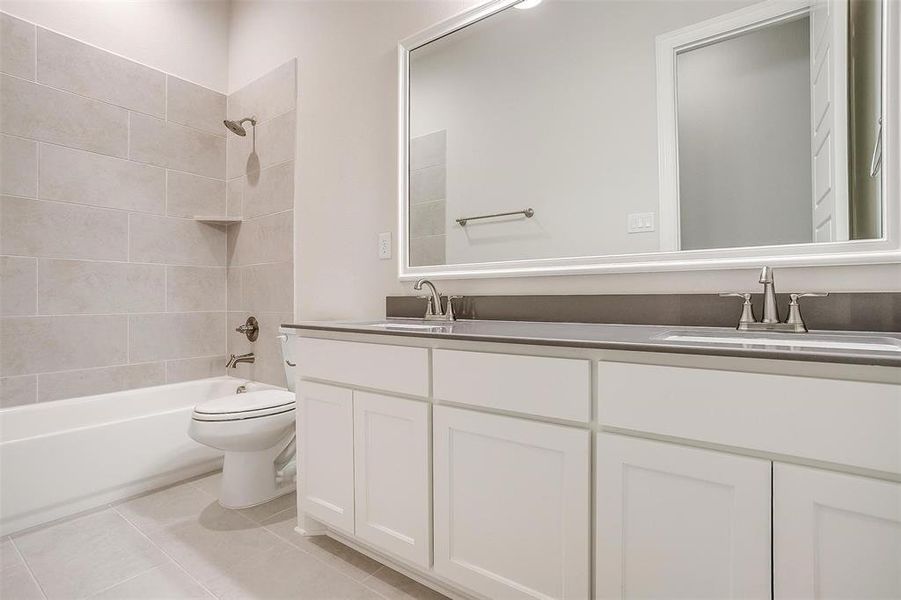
<point x="641" y="222"/>
<point x="385" y="245"/>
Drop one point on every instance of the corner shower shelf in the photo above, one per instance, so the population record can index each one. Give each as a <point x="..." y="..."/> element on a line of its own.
<point x="216" y="220"/>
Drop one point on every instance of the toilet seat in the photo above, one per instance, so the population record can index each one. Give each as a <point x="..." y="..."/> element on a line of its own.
<point x="251" y="405"/>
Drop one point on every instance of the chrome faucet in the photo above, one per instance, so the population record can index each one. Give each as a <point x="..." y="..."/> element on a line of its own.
<point x="770" y="320"/>
<point x="433" y="311"/>
<point x="235" y="360"/>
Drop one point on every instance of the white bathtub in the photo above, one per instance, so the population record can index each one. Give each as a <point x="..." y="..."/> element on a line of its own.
<point x="61" y="458"/>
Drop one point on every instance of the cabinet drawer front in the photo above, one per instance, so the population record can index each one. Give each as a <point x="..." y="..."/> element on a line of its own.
<point x="559" y="388"/>
<point x="398" y="369"/>
<point x="844" y="422"/>
<point x="512" y="505"/>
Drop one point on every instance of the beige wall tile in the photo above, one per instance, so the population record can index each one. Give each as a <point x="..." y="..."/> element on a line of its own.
<point x="428" y="184"/>
<point x="17" y="391"/>
<point x="45" y="344"/>
<point x="87" y="382"/>
<point x="83" y="177"/>
<point x="268" y="288"/>
<point x="430" y="250"/>
<point x="268" y="352"/>
<point x="234" y="280"/>
<point x="176" y="335"/>
<point x="18" y="286"/>
<point x="16" y="47"/>
<point x="273" y="94"/>
<point x="18" y="166"/>
<point x="41" y="113"/>
<point x="427" y="219"/>
<point x="195" y="106"/>
<point x="274" y="145"/>
<point x="195" y="289"/>
<point x="188" y="369"/>
<point x="262" y="240"/>
<point x="59" y="230"/>
<point x="190" y="195"/>
<point x="269" y="191"/>
<point x="428" y="150"/>
<point x="176" y="241"/>
<point x="90" y="287"/>
<point x="235" y="197"/>
<point x="71" y="65"/>
<point x="175" y="146"/>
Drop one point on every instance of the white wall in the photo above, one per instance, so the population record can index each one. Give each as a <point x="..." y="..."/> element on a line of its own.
<point x="346" y="174"/>
<point x="187" y="38"/>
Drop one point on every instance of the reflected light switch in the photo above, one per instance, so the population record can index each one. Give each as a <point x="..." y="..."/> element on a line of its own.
<point x="641" y="222"/>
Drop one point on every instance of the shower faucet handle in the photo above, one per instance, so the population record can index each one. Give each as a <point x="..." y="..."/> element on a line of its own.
<point x="251" y="328"/>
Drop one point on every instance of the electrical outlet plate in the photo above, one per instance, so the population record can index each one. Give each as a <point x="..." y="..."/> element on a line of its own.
<point x="641" y="222"/>
<point x="385" y="245"/>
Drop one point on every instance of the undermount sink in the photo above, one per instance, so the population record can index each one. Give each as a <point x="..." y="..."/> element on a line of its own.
<point x="436" y="328"/>
<point x="786" y="340"/>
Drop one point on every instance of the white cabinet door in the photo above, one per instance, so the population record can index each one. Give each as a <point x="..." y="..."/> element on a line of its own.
<point x="391" y="466"/>
<point x="678" y="522"/>
<point x="835" y="535"/>
<point x="325" y="440"/>
<point x="512" y="505"/>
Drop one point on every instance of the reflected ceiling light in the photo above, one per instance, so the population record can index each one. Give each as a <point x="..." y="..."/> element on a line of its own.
<point x="526" y="4"/>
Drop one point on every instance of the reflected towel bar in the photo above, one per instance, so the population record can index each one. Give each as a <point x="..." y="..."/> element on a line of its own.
<point x="527" y="212"/>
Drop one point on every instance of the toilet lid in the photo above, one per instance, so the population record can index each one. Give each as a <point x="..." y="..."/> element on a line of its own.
<point x="245" y="406"/>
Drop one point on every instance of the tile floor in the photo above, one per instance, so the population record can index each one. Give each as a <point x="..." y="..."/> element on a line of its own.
<point x="179" y="543"/>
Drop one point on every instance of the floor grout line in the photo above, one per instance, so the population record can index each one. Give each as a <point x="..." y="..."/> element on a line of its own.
<point x="163" y="551"/>
<point x="28" y="568"/>
<point x="129" y="578"/>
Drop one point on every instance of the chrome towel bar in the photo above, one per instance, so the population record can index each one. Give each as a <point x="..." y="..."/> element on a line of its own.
<point x="528" y="212"/>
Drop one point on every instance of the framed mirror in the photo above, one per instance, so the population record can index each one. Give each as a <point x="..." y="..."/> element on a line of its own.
<point x="562" y="137"/>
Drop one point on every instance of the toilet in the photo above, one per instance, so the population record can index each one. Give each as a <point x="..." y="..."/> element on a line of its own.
<point x="256" y="432"/>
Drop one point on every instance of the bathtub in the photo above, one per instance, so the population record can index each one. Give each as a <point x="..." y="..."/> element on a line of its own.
<point x="60" y="458"/>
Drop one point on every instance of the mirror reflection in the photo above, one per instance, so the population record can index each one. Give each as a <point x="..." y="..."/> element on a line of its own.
<point x="620" y="127"/>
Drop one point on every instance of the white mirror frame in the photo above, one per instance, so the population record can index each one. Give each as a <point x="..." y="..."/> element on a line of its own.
<point x="857" y="252"/>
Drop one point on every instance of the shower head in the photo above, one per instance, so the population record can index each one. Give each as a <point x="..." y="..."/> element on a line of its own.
<point x="237" y="127"/>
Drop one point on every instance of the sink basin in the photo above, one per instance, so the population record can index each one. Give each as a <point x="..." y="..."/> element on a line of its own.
<point x="786" y="340"/>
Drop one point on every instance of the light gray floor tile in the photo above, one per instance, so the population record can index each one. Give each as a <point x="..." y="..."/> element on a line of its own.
<point x="215" y="542"/>
<point x="209" y="484"/>
<point x="396" y="586"/>
<point x="343" y="558"/>
<point x="77" y="558"/>
<point x="9" y="557"/>
<point x="165" y="508"/>
<point x="286" y="572"/>
<point x="261" y="512"/>
<point x="16" y="583"/>
<point x="166" y="582"/>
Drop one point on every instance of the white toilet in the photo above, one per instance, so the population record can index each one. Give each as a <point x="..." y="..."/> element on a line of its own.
<point x="256" y="431"/>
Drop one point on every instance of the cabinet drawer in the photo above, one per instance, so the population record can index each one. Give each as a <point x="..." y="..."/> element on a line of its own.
<point x="844" y="422"/>
<point x="398" y="369"/>
<point x="559" y="388"/>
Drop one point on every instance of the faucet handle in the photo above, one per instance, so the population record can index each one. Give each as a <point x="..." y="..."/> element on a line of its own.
<point x="794" y="308"/>
<point x="449" y="313"/>
<point x="747" y="309"/>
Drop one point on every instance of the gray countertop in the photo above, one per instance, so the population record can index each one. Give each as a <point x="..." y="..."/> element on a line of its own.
<point x="883" y="349"/>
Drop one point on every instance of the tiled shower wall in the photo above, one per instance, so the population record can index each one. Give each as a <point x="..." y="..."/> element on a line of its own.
<point x="261" y="190"/>
<point x="107" y="283"/>
<point x="428" y="199"/>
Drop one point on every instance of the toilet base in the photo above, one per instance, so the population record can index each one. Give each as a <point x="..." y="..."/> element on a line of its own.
<point x="249" y="479"/>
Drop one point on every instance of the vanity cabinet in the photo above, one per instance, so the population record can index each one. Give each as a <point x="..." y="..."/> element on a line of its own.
<point x="680" y="522"/>
<point x="512" y="505"/>
<point x="391" y="475"/>
<point x="325" y="427"/>
<point x="835" y="535"/>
